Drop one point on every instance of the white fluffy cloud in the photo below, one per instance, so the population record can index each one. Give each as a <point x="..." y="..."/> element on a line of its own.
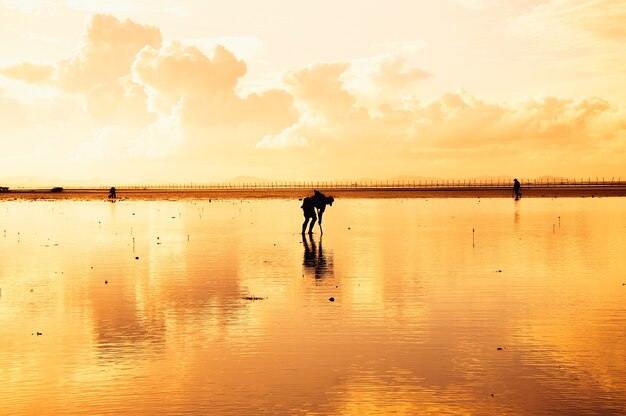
<point x="126" y="96"/>
<point x="109" y="50"/>
<point x="455" y="129"/>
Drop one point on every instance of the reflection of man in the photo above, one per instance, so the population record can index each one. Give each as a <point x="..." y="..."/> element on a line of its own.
<point x="310" y="252"/>
<point x="314" y="257"/>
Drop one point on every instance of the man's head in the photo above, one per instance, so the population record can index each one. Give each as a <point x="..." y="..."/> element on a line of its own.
<point x="330" y="200"/>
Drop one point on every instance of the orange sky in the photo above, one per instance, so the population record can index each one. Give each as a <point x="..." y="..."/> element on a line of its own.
<point x="152" y="91"/>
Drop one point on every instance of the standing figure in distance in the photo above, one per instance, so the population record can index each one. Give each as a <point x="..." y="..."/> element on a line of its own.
<point x="314" y="203"/>
<point x="112" y="193"/>
<point x="516" y="189"/>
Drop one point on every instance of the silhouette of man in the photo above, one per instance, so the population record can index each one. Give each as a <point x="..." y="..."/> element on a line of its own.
<point x="112" y="193"/>
<point x="310" y="204"/>
<point x="516" y="189"/>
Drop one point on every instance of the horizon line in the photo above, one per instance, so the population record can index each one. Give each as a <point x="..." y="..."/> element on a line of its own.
<point x="336" y="184"/>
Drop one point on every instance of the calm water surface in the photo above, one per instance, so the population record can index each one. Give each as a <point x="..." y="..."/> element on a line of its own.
<point x="448" y="306"/>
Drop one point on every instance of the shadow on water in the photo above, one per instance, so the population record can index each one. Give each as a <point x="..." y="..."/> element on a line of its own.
<point x="316" y="262"/>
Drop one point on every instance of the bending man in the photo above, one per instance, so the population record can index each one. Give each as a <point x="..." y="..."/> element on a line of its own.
<point x="312" y="203"/>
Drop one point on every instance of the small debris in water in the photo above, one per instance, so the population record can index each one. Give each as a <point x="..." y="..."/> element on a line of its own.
<point x="331" y="299"/>
<point x="106" y="282"/>
<point x="136" y="258"/>
<point x="499" y="348"/>
<point x="39" y="333"/>
<point x="498" y="271"/>
<point x="252" y="298"/>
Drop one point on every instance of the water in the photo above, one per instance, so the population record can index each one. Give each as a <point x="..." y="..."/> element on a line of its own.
<point x="445" y="306"/>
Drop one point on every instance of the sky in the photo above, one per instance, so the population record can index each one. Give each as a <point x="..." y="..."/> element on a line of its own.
<point x="154" y="91"/>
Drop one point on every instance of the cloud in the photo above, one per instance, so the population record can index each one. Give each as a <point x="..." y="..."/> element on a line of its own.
<point x="128" y="97"/>
<point x="586" y="31"/>
<point x="457" y="130"/>
<point x="320" y="88"/>
<point x="201" y="90"/>
<point x="286" y="138"/>
<point x="176" y="71"/>
<point x="119" y="102"/>
<point x="392" y="74"/>
<point x="107" y="54"/>
<point x="100" y="70"/>
<point x="137" y="91"/>
<point x="459" y="121"/>
<point x="603" y="18"/>
<point x="29" y="73"/>
<point x="245" y="47"/>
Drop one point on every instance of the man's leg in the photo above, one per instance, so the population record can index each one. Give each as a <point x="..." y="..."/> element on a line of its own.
<point x="306" y="219"/>
<point x="311" y="225"/>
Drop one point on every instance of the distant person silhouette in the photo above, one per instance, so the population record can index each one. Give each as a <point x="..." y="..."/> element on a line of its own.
<point x="516" y="189"/>
<point x="112" y="193"/>
<point x="314" y="203"/>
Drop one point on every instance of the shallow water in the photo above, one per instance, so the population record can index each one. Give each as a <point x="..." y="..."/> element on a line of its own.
<point x="459" y="306"/>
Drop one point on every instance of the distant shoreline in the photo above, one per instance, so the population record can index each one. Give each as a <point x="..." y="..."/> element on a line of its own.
<point x="552" y="191"/>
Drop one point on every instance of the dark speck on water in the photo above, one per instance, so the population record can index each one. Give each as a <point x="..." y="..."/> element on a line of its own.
<point x="252" y="298"/>
<point x="331" y="299"/>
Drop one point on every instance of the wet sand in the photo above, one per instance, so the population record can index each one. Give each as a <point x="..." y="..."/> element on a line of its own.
<point x="440" y="306"/>
<point x="289" y="193"/>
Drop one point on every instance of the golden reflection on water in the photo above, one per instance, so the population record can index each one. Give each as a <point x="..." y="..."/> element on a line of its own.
<point x="440" y="307"/>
